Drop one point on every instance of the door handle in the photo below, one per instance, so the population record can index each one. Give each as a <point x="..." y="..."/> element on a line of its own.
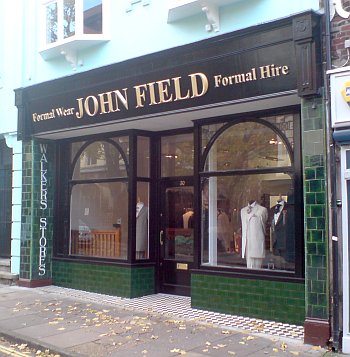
<point x="161" y="240"/>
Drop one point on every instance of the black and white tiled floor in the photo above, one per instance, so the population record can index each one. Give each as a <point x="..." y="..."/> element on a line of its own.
<point x="180" y="307"/>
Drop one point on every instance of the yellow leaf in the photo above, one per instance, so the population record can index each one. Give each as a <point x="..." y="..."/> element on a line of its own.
<point x="208" y="343"/>
<point x="61" y="328"/>
<point x="250" y="338"/>
<point x="294" y="353"/>
<point x="316" y="348"/>
<point x="182" y="352"/>
<point x="154" y="337"/>
<point x="175" y="350"/>
<point x="225" y="332"/>
<point x="231" y="353"/>
<point x="53" y="322"/>
<point x="275" y="349"/>
<point x="205" y="350"/>
<point x="144" y="352"/>
<point x="221" y="345"/>
<point x="241" y="342"/>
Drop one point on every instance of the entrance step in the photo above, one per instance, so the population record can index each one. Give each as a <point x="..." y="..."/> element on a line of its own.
<point x="6" y="277"/>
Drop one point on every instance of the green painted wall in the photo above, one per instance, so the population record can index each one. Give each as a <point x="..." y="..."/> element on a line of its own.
<point x="270" y="300"/>
<point x="105" y="279"/>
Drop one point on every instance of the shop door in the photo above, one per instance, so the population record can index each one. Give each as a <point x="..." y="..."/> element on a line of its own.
<point x="176" y="237"/>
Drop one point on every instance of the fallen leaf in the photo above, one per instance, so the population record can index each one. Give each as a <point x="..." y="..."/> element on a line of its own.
<point x="175" y="350"/>
<point x="231" y="353"/>
<point x="250" y="338"/>
<point x="275" y="349"/>
<point x="316" y="348"/>
<point x="284" y="346"/>
<point x="295" y="353"/>
<point x="61" y="328"/>
<point x="220" y="345"/>
<point x="225" y="332"/>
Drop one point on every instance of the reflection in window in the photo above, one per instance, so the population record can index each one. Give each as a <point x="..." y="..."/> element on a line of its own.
<point x="99" y="227"/>
<point x="248" y="145"/>
<point x="68" y="18"/>
<point x="143" y="156"/>
<point x="51" y="22"/>
<point x="101" y="160"/>
<point x="92" y="16"/>
<point x="99" y="209"/>
<point x="248" y="219"/>
<point x="177" y="155"/>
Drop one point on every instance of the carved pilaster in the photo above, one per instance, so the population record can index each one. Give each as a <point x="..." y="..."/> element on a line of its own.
<point x="306" y="35"/>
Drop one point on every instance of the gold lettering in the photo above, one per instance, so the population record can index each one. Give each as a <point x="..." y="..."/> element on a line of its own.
<point x="163" y="87"/>
<point x="152" y="93"/>
<point x="80" y="114"/>
<point x="177" y="85"/>
<point x="204" y="82"/>
<point x="109" y="102"/>
<point x="285" y="70"/>
<point x="87" y="107"/>
<point x="119" y="97"/>
<point x="140" y="95"/>
<point x="265" y="72"/>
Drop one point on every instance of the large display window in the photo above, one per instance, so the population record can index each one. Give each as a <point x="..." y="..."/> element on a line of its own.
<point x="248" y="190"/>
<point x="99" y="199"/>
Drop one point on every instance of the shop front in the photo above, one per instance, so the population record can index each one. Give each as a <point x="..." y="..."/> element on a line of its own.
<point x="187" y="171"/>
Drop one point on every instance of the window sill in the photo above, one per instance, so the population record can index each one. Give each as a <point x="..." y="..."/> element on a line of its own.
<point x="70" y="47"/>
<point x="180" y="9"/>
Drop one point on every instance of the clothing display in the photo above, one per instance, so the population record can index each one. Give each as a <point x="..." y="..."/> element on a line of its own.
<point x="224" y="230"/>
<point x="253" y="218"/>
<point x="282" y="230"/>
<point x="141" y="230"/>
<point x="187" y="218"/>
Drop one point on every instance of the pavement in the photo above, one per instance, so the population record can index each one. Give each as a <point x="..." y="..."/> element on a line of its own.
<point x="66" y="322"/>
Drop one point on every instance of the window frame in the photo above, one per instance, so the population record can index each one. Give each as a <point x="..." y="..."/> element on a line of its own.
<point x="79" y="40"/>
<point x="294" y="170"/>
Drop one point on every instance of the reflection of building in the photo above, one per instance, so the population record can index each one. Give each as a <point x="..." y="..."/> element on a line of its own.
<point x="226" y="114"/>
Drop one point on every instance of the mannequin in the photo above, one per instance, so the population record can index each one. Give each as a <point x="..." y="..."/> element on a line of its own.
<point x="254" y="218"/>
<point x="141" y="230"/>
<point x="282" y="228"/>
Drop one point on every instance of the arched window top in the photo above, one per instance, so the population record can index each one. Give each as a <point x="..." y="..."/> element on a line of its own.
<point x="100" y="160"/>
<point x="247" y="145"/>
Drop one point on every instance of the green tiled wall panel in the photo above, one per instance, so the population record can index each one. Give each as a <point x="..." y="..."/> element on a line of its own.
<point x="105" y="279"/>
<point x="315" y="209"/>
<point x="31" y="213"/>
<point x="271" y="300"/>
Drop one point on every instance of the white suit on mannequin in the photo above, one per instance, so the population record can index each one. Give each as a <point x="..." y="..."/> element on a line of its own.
<point x="254" y="218"/>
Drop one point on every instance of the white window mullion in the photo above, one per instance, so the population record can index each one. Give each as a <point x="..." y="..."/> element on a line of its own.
<point x="60" y="20"/>
<point x="79" y="18"/>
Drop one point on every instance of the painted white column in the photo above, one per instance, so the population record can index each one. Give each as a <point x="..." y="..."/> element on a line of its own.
<point x="345" y="179"/>
<point x="11" y="141"/>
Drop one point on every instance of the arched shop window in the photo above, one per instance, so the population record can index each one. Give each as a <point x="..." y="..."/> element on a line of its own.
<point x="99" y="198"/>
<point x="248" y="188"/>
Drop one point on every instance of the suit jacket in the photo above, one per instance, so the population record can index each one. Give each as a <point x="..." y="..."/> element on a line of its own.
<point x="253" y="231"/>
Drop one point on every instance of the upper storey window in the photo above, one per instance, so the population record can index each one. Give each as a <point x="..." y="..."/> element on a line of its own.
<point x="73" y="25"/>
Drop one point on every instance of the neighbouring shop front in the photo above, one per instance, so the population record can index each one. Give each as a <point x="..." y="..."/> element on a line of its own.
<point x="188" y="171"/>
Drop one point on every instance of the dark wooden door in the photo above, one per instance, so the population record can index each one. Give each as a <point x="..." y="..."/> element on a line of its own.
<point x="176" y="237"/>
